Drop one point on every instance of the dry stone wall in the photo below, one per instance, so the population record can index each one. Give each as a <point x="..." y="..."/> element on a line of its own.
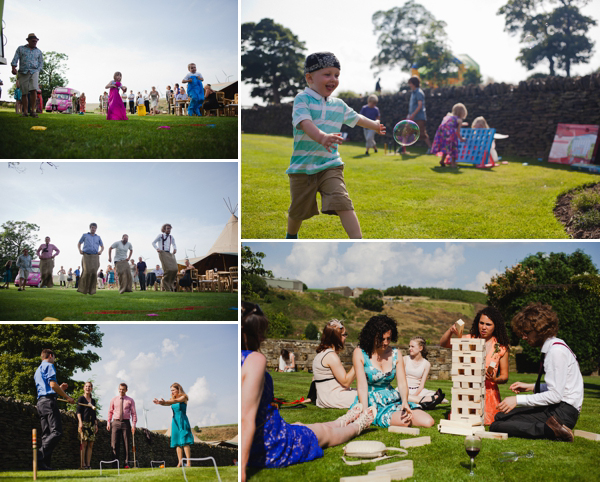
<point x="18" y="418"/>
<point x="528" y="112"/>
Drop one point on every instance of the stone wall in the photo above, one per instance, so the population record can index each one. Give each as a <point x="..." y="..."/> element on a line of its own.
<point x="17" y="419"/>
<point x="528" y="112"/>
<point x="305" y="351"/>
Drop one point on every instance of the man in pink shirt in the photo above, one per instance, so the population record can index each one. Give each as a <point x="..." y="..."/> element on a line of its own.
<point x="46" y="254"/>
<point x="122" y="413"/>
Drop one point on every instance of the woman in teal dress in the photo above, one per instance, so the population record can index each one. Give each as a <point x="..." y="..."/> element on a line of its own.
<point x="181" y="432"/>
<point x="376" y="365"/>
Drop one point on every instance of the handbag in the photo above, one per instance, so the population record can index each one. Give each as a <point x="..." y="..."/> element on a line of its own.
<point x="369" y="449"/>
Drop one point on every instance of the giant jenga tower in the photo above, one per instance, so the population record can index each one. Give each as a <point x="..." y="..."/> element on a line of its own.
<point x="468" y="380"/>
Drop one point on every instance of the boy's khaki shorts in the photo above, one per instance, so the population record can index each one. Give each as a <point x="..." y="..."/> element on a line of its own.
<point x="304" y="188"/>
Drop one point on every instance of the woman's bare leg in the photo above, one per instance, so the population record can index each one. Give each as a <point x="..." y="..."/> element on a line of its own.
<point x="179" y="455"/>
<point x="88" y="453"/>
<point x="188" y="454"/>
<point x="329" y="436"/>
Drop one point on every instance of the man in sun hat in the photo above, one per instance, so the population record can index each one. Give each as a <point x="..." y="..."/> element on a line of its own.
<point x="31" y="62"/>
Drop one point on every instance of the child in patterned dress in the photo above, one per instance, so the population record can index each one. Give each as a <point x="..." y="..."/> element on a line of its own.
<point x="448" y="135"/>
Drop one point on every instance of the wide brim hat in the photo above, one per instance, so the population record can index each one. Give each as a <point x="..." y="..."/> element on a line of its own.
<point x="32" y="35"/>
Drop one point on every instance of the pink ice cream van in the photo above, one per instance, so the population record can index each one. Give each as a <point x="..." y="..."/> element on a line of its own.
<point x="35" y="275"/>
<point x="63" y="99"/>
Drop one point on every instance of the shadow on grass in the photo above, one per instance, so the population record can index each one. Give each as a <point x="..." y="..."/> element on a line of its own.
<point x="446" y="170"/>
<point x="593" y="389"/>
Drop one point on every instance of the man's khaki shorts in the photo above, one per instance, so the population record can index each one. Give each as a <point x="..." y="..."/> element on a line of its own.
<point x="29" y="82"/>
<point x="304" y="189"/>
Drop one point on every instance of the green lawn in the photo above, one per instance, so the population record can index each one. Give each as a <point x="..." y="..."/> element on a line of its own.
<point x="35" y="304"/>
<point x="442" y="459"/>
<point x="411" y="196"/>
<point x="157" y="475"/>
<point x="92" y="136"/>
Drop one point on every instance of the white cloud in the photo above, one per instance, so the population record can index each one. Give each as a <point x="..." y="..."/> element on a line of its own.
<point x="169" y="346"/>
<point x="481" y="280"/>
<point x="111" y="367"/>
<point x="207" y="420"/>
<point x="199" y="393"/>
<point x="378" y="265"/>
<point x="183" y="337"/>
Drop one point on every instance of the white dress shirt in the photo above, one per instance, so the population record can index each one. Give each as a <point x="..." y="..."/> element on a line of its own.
<point x="563" y="380"/>
<point x="163" y="242"/>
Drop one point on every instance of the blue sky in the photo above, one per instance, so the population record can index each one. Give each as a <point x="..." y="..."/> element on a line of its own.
<point x="464" y="265"/>
<point x="134" y="198"/>
<point x="473" y="28"/>
<point x="203" y="359"/>
<point x="150" y="42"/>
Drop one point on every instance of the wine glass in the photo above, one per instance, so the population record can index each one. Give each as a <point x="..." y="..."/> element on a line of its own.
<point x="472" y="446"/>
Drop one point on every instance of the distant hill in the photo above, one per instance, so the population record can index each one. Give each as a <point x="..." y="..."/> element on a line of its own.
<point x="416" y="315"/>
<point x="212" y="434"/>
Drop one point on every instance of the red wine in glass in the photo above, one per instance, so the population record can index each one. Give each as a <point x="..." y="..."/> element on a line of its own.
<point x="472" y="447"/>
<point x="472" y="452"/>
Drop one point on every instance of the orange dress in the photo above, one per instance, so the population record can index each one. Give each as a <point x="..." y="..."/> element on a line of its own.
<point x="494" y="352"/>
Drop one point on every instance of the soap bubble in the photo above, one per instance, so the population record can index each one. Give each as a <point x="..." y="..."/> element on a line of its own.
<point x="406" y="132"/>
<point x="551" y="30"/>
<point x="529" y="41"/>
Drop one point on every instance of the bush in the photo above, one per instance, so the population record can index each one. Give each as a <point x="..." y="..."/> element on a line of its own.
<point x="311" y="332"/>
<point x="254" y="285"/>
<point x="369" y="302"/>
<point x="280" y="325"/>
<point x="586" y="200"/>
<point x="304" y="287"/>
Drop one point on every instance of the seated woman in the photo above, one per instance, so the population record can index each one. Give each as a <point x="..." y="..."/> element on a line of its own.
<point x="287" y="362"/>
<point x="377" y="364"/>
<point x="489" y="325"/>
<point x="267" y="440"/>
<point x="417" y="368"/>
<point x="331" y="380"/>
<point x="210" y="101"/>
<point x="186" y="281"/>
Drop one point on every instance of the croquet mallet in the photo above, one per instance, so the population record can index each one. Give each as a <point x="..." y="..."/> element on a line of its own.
<point x="93" y="407"/>
<point x="133" y="438"/>
<point x="34" y="442"/>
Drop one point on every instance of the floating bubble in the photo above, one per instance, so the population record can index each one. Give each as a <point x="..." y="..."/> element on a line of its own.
<point x="551" y="30"/>
<point x="529" y="40"/>
<point x="406" y="132"/>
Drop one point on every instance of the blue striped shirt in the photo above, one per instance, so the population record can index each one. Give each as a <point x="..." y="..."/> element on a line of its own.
<point x="310" y="157"/>
<point x="30" y="60"/>
<point x="91" y="244"/>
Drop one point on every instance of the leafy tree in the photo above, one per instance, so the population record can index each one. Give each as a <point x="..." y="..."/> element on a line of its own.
<point x="304" y="287"/>
<point x="311" y="332"/>
<point x="280" y="325"/>
<point x="370" y="301"/>
<point x="20" y="348"/>
<point x="51" y="76"/>
<point x="558" y="36"/>
<point x="472" y="76"/>
<point x="14" y="238"/>
<point x="570" y="284"/>
<point x="411" y="35"/>
<point x="252" y="270"/>
<point x="272" y="59"/>
<point x="401" y="290"/>
<point x="348" y="94"/>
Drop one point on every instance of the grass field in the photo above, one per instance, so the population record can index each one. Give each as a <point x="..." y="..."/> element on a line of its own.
<point x="410" y="196"/>
<point x="92" y="136"/>
<point x="35" y="304"/>
<point x="156" y="475"/>
<point x="445" y="458"/>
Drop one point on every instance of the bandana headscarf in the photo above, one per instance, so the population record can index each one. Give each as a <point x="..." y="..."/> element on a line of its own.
<point x="320" y="60"/>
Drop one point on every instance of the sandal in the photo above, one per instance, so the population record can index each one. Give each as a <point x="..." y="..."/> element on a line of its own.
<point x="366" y="419"/>
<point x="351" y="415"/>
<point x="427" y="405"/>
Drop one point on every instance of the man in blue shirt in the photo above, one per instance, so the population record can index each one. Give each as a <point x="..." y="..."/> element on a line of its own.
<point x="47" y="389"/>
<point x="77" y="275"/>
<point x="90" y="261"/>
<point x="31" y="62"/>
<point x="141" y="267"/>
<point x="416" y="109"/>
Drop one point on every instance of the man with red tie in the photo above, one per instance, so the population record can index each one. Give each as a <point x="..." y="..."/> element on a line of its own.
<point x="123" y="415"/>
<point x="552" y="410"/>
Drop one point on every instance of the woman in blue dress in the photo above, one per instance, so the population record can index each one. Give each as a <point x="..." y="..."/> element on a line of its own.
<point x="376" y="365"/>
<point x="267" y="440"/>
<point x="181" y="432"/>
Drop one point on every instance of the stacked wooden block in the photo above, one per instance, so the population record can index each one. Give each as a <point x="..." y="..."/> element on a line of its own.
<point x="468" y="380"/>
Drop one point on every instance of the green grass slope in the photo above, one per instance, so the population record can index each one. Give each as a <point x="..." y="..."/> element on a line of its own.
<point x="409" y="197"/>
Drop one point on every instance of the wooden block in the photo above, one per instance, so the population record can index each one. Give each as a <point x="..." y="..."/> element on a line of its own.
<point x="464" y="430"/>
<point x="493" y="435"/>
<point x="395" y="474"/>
<point x="460" y="326"/>
<point x="382" y="477"/>
<point x="467" y="371"/>
<point x="396" y="465"/>
<point x="406" y="430"/>
<point x="454" y="423"/>
<point x="467" y="397"/>
<point x="468" y="379"/>
<point x="415" y="442"/>
<point x="587" y="435"/>
<point x="475" y="357"/>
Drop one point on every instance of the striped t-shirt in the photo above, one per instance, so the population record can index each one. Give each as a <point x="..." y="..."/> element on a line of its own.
<point x="310" y="157"/>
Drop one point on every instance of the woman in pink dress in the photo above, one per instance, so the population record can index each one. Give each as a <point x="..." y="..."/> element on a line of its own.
<point x="116" y="108"/>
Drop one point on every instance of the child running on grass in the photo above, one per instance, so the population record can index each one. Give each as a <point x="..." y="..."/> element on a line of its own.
<point x="370" y="111"/>
<point x="195" y="90"/>
<point x="316" y="165"/>
<point x="448" y="135"/>
<point x="116" y="108"/>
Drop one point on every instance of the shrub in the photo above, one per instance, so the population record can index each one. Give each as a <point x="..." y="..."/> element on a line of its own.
<point x="280" y="325"/>
<point x="254" y="285"/>
<point x="369" y="302"/>
<point x="586" y="200"/>
<point x="311" y="332"/>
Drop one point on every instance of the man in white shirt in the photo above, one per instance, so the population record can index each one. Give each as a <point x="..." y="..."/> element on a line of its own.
<point x="162" y="244"/>
<point x="122" y="263"/>
<point x="553" y="409"/>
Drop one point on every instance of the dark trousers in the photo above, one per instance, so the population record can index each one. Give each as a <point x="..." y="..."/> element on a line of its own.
<point x="147" y="104"/>
<point x="131" y="107"/>
<point x="151" y="279"/>
<point x="142" y="277"/>
<point x="51" y="427"/>
<point x="76" y="282"/>
<point x="120" y="430"/>
<point x="530" y="422"/>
